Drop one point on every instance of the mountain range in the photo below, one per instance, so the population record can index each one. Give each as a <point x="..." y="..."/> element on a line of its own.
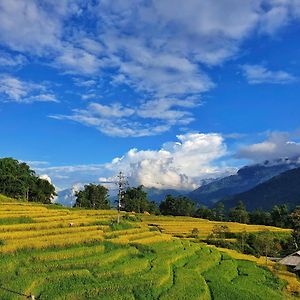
<point x="245" y="179"/>
<point x="281" y="189"/>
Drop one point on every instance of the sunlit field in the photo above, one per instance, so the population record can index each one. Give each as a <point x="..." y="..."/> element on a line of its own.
<point x="57" y="253"/>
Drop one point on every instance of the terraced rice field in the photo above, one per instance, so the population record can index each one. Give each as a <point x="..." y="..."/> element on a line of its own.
<point x="41" y="254"/>
<point x="182" y="226"/>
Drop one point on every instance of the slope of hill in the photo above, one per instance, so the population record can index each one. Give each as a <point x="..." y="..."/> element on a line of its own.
<point x="245" y="179"/>
<point x="92" y="260"/>
<point x="281" y="189"/>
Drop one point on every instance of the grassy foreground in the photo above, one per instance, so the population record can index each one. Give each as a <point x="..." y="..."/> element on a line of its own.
<point x="76" y="254"/>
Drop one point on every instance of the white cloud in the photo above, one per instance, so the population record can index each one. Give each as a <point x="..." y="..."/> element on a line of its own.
<point x="179" y="165"/>
<point x="257" y="74"/>
<point x="149" y="118"/>
<point x="76" y="60"/>
<point x="84" y="83"/>
<point x="17" y="90"/>
<point x="277" y="145"/>
<point x="8" y="60"/>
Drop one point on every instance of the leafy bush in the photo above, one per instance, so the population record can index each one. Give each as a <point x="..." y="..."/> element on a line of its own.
<point x="114" y="226"/>
<point x="131" y="218"/>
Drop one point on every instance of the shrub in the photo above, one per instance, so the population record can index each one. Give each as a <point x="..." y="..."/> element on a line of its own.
<point x="131" y="218"/>
<point x="121" y="226"/>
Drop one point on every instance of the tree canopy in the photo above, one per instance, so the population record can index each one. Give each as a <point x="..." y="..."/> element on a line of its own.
<point x="93" y="196"/>
<point x="17" y="180"/>
<point x="177" y="206"/>
<point x="239" y="213"/>
<point x="136" y="200"/>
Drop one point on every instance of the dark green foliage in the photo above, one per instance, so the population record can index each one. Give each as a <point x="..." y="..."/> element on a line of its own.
<point x="93" y="196"/>
<point x="2" y="243"/>
<point x="295" y="223"/>
<point x="17" y="180"/>
<point x="41" y="191"/>
<point x="260" y="217"/>
<point x="136" y="200"/>
<point x="204" y="213"/>
<point x="179" y="206"/>
<point x="280" y="216"/>
<point x="239" y="213"/>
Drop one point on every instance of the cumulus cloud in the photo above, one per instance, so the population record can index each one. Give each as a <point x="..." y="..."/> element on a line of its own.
<point x="277" y="145"/>
<point x="257" y="74"/>
<point x="180" y="165"/>
<point x="17" y="90"/>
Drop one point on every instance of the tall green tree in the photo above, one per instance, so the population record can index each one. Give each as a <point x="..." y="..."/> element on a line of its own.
<point x="261" y="217"/>
<point x="239" y="213"/>
<point x="17" y="180"/>
<point x="93" y="196"/>
<point x="280" y="215"/>
<point x="177" y="206"/>
<point x="218" y="212"/>
<point x="204" y="213"/>
<point x="136" y="199"/>
<point x="295" y="222"/>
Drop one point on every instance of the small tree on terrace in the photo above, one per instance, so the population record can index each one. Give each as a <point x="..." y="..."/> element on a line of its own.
<point x="220" y="231"/>
<point x="93" y="196"/>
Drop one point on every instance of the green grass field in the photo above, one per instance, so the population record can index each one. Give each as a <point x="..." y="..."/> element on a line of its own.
<point x="76" y="254"/>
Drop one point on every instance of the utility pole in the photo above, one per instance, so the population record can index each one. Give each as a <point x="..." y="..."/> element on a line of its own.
<point x="122" y="183"/>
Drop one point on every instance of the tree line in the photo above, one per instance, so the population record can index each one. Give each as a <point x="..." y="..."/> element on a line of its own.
<point x="136" y="199"/>
<point x="18" y="181"/>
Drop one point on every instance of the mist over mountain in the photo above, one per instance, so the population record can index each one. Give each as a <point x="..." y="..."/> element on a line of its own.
<point x="245" y="179"/>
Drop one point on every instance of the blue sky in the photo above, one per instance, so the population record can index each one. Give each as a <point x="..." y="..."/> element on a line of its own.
<point x="170" y="92"/>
